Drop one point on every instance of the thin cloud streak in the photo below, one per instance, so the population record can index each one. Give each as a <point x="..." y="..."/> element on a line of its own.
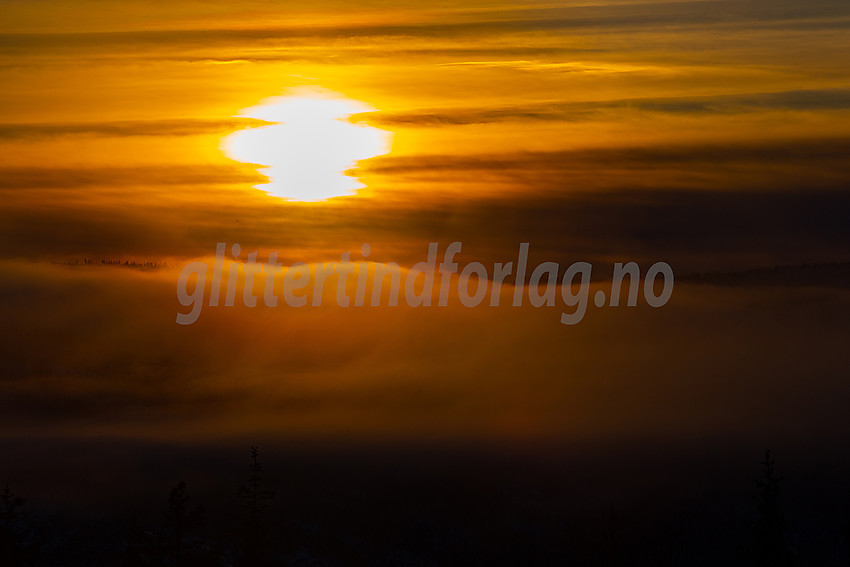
<point x="180" y="127"/>
<point x="570" y="111"/>
<point x="717" y="14"/>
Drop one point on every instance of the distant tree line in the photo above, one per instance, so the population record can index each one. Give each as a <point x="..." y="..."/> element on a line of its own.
<point x="252" y="538"/>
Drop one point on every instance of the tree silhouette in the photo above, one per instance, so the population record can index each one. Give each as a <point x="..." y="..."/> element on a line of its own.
<point x="846" y="535"/>
<point x="770" y="548"/>
<point x="255" y="498"/>
<point x="180" y="523"/>
<point x="11" y="531"/>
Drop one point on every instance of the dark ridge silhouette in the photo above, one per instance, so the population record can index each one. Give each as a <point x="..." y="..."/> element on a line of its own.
<point x="137" y="265"/>
<point x="835" y="274"/>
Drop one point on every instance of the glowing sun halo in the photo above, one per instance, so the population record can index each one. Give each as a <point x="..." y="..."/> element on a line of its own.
<point x="310" y="145"/>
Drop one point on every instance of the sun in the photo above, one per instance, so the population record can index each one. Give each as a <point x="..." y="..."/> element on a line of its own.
<point x="310" y="146"/>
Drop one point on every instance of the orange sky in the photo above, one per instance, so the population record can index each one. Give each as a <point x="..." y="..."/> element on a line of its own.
<point x="713" y="135"/>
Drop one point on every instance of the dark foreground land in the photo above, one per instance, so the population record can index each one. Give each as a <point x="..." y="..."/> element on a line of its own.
<point x="602" y="503"/>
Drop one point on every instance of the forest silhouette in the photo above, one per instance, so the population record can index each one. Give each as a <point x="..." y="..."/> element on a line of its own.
<point x="380" y="521"/>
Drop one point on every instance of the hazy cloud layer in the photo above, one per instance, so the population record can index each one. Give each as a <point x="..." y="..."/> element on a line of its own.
<point x="118" y="365"/>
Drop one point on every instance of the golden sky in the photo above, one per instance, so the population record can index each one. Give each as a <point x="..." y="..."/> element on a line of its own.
<point x="710" y="134"/>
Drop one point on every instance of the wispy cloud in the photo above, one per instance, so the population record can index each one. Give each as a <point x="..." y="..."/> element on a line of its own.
<point x="570" y="111"/>
<point x="24" y="178"/>
<point x="181" y="127"/>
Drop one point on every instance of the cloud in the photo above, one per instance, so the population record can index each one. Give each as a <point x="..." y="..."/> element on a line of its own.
<point x="745" y="166"/>
<point x="700" y="206"/>
<point x="568" y="111"/>
<point x="410" y="23"/>
<point x="117" y="364"/>
<point x="182" y="127"/>
<point x="28" y="178"/>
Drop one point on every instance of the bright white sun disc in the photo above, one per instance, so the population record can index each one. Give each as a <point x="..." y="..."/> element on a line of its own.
<point x="310" y="146"/>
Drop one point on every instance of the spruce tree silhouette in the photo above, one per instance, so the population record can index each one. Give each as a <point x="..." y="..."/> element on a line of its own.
<point x="180" y="524"/>
<point x="770" y="547"/>
<point x="11" y="531"/>
<point x="255" y="500"/>
<point x="181" y="543"/>
<point x="846" y="536"/>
